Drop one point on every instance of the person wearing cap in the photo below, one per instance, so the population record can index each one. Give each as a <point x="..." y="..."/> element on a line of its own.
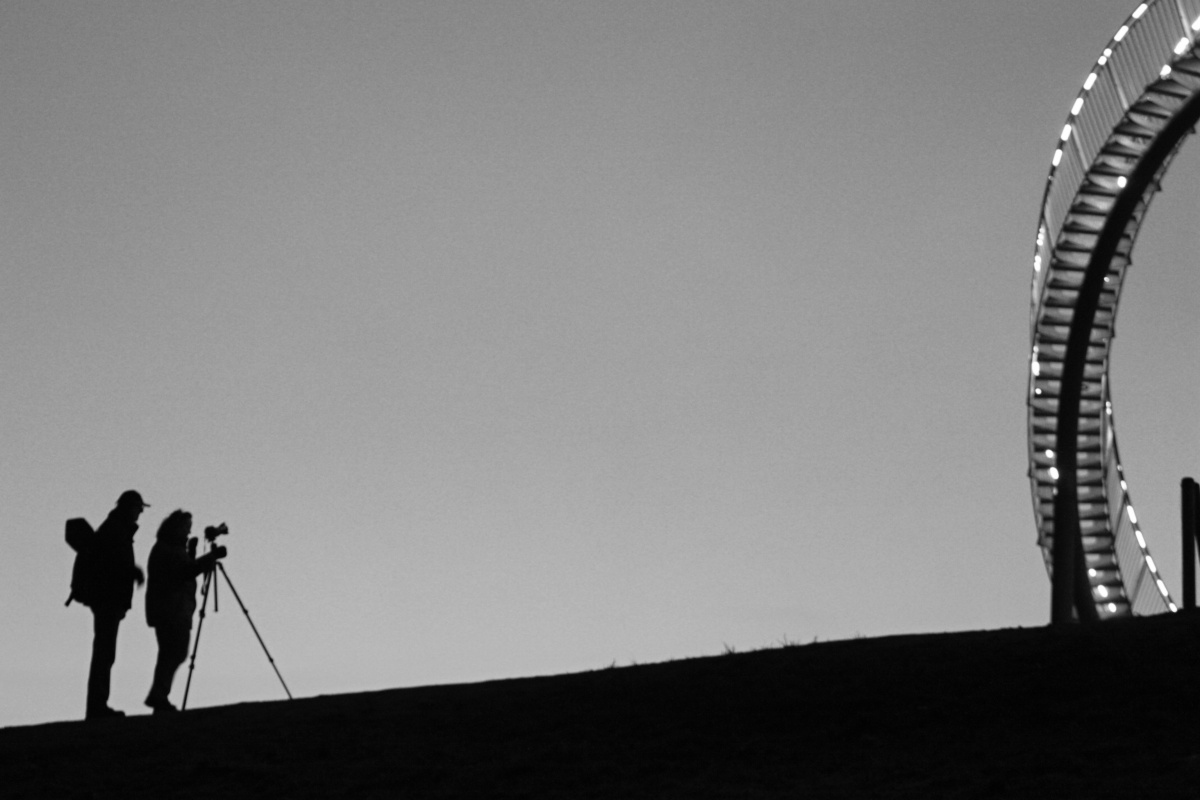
<point x="171" y="600"/>
<point x="116" y="572"/>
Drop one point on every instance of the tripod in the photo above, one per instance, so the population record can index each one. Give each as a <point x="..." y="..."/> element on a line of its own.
<point x="211" y="583"/>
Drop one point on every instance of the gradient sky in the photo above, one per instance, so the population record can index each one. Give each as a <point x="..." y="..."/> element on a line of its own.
<point x="515" y="338"/>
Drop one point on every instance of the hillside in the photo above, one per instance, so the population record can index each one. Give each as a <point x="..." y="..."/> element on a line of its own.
<point x="1078" y="711"/>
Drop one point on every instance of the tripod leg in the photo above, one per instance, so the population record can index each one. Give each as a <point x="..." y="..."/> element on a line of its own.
<point x="196" y="645"/>
<point x="252" y="627"/>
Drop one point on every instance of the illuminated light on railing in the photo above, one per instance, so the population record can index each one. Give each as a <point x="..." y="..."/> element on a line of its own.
<point x="1037" y="263"/>
<point x="1165" y="71"/>
<point x="1124" y="486"/>
<point x="1078" y="105"/>
<point x="1120" y="34"/>
<point x="1037" y="391"/>
<point x="1173" y="607"/>
<point x="1049" y="454"/>
<point x="1112" y="608"/>
<point x="1162" y="587"/>
<point x="1196" y="24"/>
<point x="1121" y="181"/>
<point x="1182" y="45"/>
<point x="1037" y="369"/>
<point x="1053" y="473"/>
<point x="1102" y="591"/>
<point x="1066" y="134"/>
<point x="1150" y="563"/>
<point x="1057" y="157"/>
<point x="1141" y="539"/>
<point x="1140" y="10"/>
<point x="1092" y="573"/>
<point x="1132" y="516"/>
<point x="1090" y="82"/>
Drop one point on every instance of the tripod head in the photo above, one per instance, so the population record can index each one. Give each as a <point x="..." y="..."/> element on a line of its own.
<point x="210" y="539"/>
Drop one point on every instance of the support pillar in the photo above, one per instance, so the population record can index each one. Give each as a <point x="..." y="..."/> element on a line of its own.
<point x="1188" y="493"/>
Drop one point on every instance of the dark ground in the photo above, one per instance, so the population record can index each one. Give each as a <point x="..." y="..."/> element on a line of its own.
<point x="1098" y="711"/>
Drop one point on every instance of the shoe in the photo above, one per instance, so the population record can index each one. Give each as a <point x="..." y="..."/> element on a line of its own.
<point x="104" y="713"/>
<point x="161" y="705"/>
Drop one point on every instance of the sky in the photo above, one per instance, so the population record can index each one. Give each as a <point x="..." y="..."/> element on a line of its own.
<point x="520" y="338"/>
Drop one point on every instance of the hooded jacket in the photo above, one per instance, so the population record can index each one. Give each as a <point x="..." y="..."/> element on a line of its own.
<point x="171" y="584"/>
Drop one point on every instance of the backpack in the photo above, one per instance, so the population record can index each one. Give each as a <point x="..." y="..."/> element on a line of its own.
<point x="82" y="540"/>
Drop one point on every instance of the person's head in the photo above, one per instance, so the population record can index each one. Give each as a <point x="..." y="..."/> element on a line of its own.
<point x="176" y="527"/>
<point x="130" y="504"/>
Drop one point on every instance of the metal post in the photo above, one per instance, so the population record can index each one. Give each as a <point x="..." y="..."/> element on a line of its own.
<point x="1188" y="493"/>
<point x="1196" y="518"/>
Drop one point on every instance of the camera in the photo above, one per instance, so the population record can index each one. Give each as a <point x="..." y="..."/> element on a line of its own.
<point x="213" y="531"/>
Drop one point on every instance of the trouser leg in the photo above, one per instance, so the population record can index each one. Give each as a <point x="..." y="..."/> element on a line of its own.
<point x="172" y="651"/>
<point x="105" y="625"/>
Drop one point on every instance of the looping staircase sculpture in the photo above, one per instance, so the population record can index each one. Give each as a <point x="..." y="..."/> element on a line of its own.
<point x="1137" y="105"/>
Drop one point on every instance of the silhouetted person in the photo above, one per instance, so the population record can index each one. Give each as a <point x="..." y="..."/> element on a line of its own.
<point x="112" y="595"/>
<point x="171" y="600"/>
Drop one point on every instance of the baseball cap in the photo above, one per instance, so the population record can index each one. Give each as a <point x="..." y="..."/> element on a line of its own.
<point x="132" y="498"/>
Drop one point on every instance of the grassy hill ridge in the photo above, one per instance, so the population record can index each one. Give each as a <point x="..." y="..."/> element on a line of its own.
<point x="1054" y="712"/>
